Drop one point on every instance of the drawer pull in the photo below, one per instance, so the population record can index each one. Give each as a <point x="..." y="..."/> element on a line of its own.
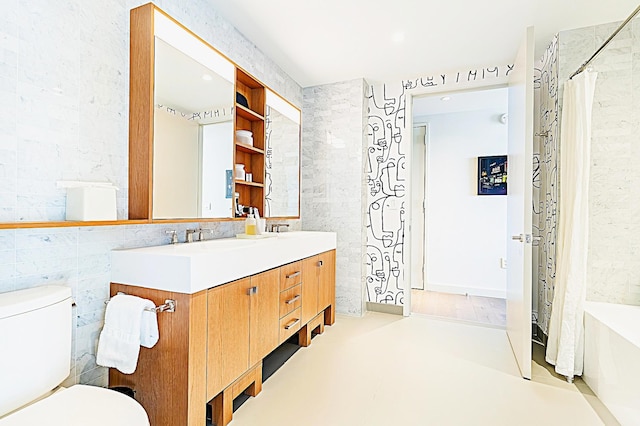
<point x="292" y="323"/>
<point x="293" y="300"/>
<point x="295" y="274"/>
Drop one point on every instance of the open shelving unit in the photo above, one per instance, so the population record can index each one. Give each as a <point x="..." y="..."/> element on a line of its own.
<point x="251" y="119"/>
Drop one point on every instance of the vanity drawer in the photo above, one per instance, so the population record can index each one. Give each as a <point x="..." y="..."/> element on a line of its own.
<point x="290" y="324"/>
<point x="290" y="275"/>
<point x="290" y="299"/>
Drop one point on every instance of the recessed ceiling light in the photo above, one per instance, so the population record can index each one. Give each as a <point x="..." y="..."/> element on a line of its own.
<point x="207" y="77"/>
<point x="398" y="37"/>
<point x="445" y="98"/>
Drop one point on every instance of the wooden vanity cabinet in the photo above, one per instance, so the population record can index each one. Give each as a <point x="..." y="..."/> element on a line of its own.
<point x="211" y="348"/>
<point x="242" y="327"/>
<point x="326" y="263"/>
<point x="264" y="315"/>
<point x="168" y="380"/>
<point x="290" y="300"/>
<point x="318" y="287"/>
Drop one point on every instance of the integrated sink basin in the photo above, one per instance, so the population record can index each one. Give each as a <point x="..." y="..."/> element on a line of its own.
<point x="192" y="267"/>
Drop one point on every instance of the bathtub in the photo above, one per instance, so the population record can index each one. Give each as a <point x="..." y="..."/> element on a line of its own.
<point x="612" y="358"/>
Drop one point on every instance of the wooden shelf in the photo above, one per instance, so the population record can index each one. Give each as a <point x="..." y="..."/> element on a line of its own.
<point x="244" y="182"/>
<point x="248" y="114"/>
<point x="249" y="148"/>
<point x="69" y="223"/>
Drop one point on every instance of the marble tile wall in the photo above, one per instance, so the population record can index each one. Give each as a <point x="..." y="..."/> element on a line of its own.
<point x="614" y="231"/>
<point x="332" y="179"/>
<point x="64" y="72"/>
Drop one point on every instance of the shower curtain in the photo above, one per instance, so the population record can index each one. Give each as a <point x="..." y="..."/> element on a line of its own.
<point x="566" y="328"/>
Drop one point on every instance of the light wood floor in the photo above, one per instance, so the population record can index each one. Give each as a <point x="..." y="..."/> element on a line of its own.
<point x="476" y="309"/>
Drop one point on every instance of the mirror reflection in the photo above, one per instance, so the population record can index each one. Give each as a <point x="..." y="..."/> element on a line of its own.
<point x="282" y="158"/>
<point x="193" y="138"/>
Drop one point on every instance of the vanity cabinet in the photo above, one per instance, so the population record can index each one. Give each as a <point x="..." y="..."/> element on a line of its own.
<point x="242" y="327"/>
<point x="290" y="300"/>
<point x="211" y="348"/>
<point x="318" y="283"/>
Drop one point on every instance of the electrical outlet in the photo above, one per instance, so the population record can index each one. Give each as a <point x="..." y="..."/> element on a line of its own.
<point x="503" y="263"/>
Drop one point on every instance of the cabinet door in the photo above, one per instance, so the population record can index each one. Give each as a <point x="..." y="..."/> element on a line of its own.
<point x="234" y="328"/>
<point x="265" y="318"/>
<point x="215" y="315"/>
<point x="310" y="273"/>
<point x="326" y="279"/>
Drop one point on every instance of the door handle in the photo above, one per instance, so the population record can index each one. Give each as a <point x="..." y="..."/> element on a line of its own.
<point x="320" y="263"/>
<point x="252" y="290"/>
<point x="523" y="238"/>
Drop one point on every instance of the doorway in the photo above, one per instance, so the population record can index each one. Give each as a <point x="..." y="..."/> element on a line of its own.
<point x="458" y="237"/>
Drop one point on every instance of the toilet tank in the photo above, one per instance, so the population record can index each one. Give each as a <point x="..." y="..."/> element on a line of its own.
<point x="35" y="343"/>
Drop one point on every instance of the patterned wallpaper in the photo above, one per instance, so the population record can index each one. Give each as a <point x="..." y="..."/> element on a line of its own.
<point x="386" y="174"/>
<point x="545" y="182"/>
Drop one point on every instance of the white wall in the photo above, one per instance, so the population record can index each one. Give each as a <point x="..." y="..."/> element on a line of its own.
<point x="466" y="233"/>
<point x="217" y="158"/>
<point x="175" y="166"/>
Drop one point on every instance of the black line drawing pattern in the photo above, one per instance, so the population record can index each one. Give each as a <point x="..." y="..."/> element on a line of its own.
<point x="545" y="180"/>
<point x="268" y="161"/>
<point x="386" y="178"/>
<point x="218" y="114"/>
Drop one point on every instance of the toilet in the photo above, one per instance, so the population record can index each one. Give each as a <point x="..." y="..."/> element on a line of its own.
<point x="35" y="331"/>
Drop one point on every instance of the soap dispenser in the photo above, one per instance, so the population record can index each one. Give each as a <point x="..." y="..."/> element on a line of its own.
<point x="250" y="223"/>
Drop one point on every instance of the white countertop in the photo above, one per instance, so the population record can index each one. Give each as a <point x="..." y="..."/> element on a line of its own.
<point x="192" y="267"/>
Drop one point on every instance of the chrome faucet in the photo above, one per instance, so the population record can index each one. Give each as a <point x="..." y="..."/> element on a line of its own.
<point x="278" y="227"/>
<point x="174" y="236"/>
<point x="189" y="235"/>
<point x="201" y="232"/>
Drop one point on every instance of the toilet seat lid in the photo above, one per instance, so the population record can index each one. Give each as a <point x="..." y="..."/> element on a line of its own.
<point x="81" y="405"/>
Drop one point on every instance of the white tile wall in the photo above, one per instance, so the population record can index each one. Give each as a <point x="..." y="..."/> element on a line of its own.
<point x="333" y="118"/>
<point x="614" y="268"/>
<point x="64" y="71"/>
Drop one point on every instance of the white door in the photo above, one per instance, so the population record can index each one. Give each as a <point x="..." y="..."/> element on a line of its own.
<point x="519" y="205"/>
<point x="418" y="173"/>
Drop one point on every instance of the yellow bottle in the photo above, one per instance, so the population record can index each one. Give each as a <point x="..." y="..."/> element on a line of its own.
<point x="250" y="224"/>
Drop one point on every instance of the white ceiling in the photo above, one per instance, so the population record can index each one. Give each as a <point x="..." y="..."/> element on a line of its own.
<point x="325" y="41"/>
<point x="461" y="101"/>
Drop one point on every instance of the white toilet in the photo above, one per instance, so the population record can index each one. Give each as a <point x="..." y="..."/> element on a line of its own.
<point x="35" y="358"/>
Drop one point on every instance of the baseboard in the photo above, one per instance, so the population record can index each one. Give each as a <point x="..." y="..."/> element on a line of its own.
<point x="385" y="308"/>
<point x="471" y="291"/>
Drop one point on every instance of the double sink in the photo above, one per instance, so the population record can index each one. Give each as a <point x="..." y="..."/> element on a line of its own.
<point x="192" y="267"/>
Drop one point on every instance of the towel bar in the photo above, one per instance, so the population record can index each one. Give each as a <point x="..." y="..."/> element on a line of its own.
<point x="169" y="305"/>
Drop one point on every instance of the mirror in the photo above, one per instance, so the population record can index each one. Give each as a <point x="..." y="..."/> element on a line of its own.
<point x="183" y="118"/>
<point x="193" y="127"/>
<point x="282" y="158"/>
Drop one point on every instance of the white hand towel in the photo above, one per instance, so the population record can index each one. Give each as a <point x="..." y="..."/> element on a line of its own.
<point x="149" y="329"/>
<point x="126" y="327"/>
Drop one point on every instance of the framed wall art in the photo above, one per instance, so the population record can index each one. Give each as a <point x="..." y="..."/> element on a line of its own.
<point x="492" y="175"/>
